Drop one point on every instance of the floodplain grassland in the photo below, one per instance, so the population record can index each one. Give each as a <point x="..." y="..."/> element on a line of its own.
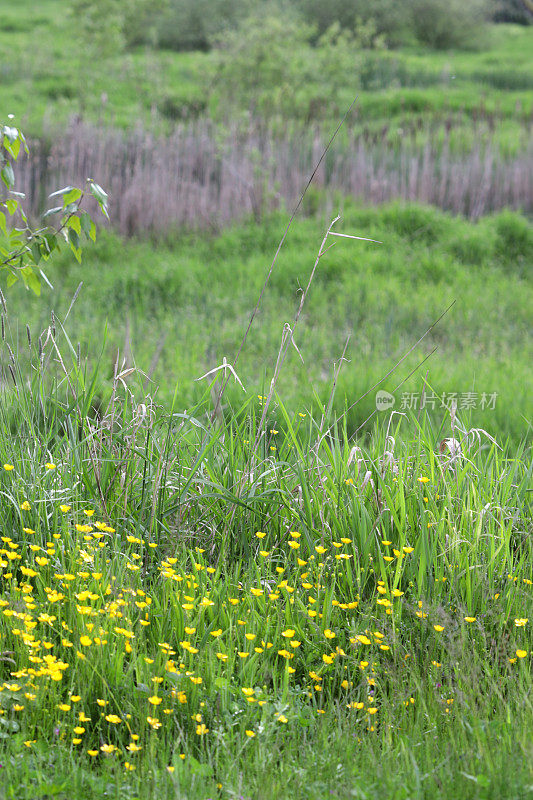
<point x="202" y="600"/>
<point x="278" y="590"/>
<point x="175" y="309"/>
<point x="255" y="607"/>
<point x="43" y="58"/>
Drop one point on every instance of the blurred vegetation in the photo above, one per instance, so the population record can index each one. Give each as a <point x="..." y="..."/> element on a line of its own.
<point x="176" y="310"/>
<point x="196" y="24"/>
<point x="518" y="11"/>
<point x="306" y="74"/>
<point x="181" y="306"/>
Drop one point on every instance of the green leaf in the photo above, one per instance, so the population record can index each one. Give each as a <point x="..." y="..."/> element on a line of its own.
<point x="88" y="226"/>
<point x="11" y="134"/>
<point x="50" y="242"/>
<point x="52" y="211"/>
<point x="8" y="176"/>
<point x="36" y="252"/>
<point x="75" y="224"/>
<point x="71" y="196"/>
<point x="13" y="149"/>
<point x="16" y="239"/>
<point x="101" y="197"/>
<point x="12" y="140"/>
<point x="3" y="223"/>
<point x="74" y="239"/>
<point x="32" y="280"/>
<point x="12" y="206"/>
<point x="61" y="191"/>
<point x="11" y="279"/>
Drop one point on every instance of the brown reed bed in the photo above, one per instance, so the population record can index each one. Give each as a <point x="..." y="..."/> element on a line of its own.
<point x="207" y="176"/>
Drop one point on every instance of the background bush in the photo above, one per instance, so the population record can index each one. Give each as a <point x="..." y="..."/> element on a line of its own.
<point x="518" y="11"/>
<point x="192" y="24"/>
<point x="443" y="24"/>
<point x="183" y="25"/>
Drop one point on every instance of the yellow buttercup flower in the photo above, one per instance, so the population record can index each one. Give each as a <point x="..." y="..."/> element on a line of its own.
<point x="155" y="700"/>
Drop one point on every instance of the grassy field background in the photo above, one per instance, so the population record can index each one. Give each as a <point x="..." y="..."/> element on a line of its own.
<point x="177" y="309"/>
<point x="44" y="83"/>
<point x="292" y="595"/>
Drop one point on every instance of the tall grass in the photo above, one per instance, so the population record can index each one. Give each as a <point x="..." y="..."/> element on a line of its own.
<point x="196" y="602"/>
<point x="176" y="307"/>
<point x="206" y="176"/>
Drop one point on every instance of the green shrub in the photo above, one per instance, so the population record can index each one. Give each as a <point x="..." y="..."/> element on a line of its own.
<point x="263" y="65"/>
<point x="444" y="24"/>
<point x="105" y="27"/>
<point x="514" y="241"/>
<point x="269" y="66"/>
<point x="192" y="24"/>
<point x="516" y="11"/>
<point x="474" y="245"/>
<point x="387" y="16"/>
<point x="174" y="106"/>
<point x="418" y="223"/>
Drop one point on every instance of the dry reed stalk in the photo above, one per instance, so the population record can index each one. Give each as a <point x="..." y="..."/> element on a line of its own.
<point x="198" y="178"/>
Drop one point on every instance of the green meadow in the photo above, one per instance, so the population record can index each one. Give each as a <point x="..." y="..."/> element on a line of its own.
<point x="176" y="310"/>
<point x="44" y="63"/>
<point x="266" y="516"/>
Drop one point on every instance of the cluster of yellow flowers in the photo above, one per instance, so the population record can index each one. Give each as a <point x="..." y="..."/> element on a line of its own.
<point x="79" y="620"/>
